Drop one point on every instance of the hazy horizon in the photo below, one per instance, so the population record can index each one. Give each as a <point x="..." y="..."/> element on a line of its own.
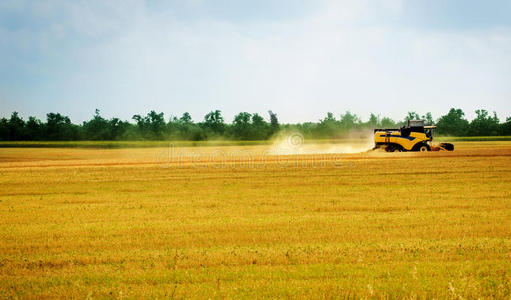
<point x="300" y="60"/>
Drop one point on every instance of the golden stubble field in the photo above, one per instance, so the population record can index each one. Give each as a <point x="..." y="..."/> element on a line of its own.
<point x="238" y="222"/>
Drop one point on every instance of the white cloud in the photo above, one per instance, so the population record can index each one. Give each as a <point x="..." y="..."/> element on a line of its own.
<point x="349" y="55"/>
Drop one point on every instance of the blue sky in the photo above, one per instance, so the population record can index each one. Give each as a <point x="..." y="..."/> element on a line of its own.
<point x="300" y="59"/>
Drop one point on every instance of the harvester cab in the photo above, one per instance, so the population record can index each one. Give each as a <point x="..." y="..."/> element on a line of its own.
<point x="414" y="136"/>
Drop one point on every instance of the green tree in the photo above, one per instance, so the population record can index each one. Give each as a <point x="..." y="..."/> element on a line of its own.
<point x="97" y="128"/>
<point x="328" y="127"/>
<point x="274" y="122"/>
<point x="16" y="127"/>
<point x="387" y="123"/>
<point x="484" y="124"/>
<point x="186" y="118"/>
<point x="184" y="128"/>
<point x="60" y="128"/>
<point x="246" y="126"/>
<point x="373" y="121"/>
<point x="152" y="126"/>
<point x="349" y="120"/>
<point x="118" y="128"/>
<point x="262" y="130"/>
<point x="214" y="122"/>
<point x="506" y="127"/>
<point x="4" y="129"/>
<point x="412" y="116"/>
<point x="157" y="124"/>
<point x="35" y="129"/>
<point x="428" y="119"/>
<point x="453" y="123"/>
<point x="242" y="126"/>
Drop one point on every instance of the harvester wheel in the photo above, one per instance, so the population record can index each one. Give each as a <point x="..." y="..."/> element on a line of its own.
<point x="393" y="148"/>
<point x="424" y="148"/>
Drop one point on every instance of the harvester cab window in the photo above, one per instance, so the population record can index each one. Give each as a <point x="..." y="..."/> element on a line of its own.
<point x="415" y="123"/>
<point x="416" y="126"/>
<point x="428" y="133"/>
<point x="428" y="130"/>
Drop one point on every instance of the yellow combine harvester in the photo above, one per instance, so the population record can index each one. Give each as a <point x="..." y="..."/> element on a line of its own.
<point x="412" y="137"/>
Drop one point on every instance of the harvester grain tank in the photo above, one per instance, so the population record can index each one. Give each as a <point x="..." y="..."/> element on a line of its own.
<point x="414" y="136"/>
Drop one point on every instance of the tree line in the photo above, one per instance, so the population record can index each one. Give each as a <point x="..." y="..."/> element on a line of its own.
<point x="245" y="126"/>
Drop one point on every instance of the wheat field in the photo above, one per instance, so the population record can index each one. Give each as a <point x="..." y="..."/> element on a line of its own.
<point x="226" y="222"/>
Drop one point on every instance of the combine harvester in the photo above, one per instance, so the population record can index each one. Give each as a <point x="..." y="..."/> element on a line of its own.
<point x="412" y="137"/>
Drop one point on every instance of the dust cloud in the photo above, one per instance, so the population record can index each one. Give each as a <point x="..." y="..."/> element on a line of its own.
<point x="290" y="143"/>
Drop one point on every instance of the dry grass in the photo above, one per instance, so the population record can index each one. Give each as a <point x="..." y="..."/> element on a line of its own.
<point x="127" y="223"/>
